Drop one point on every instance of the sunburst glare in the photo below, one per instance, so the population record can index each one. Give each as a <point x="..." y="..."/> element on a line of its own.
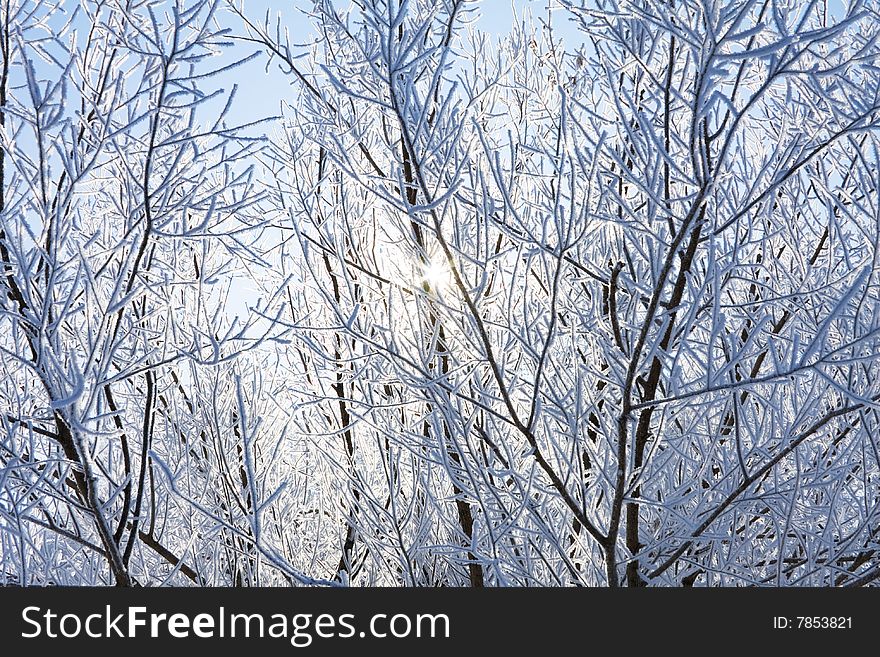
<point x="436" y="274"/>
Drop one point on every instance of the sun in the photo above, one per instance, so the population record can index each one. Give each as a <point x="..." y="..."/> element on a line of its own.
<point x="436" y="274"/>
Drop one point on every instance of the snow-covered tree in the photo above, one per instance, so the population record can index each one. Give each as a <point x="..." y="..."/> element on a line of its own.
<point x="589" y="313"/>
<point x="596" y="309"/>
<point x="123" y="190"/>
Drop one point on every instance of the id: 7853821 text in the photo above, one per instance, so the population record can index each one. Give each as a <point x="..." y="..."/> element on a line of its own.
<point x="812" y="622"/>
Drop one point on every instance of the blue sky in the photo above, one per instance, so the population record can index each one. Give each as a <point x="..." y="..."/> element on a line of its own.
<point x="261" y="91"/>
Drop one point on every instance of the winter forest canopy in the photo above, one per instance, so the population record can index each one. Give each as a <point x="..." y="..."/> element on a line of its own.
<point x="463" y="309"/>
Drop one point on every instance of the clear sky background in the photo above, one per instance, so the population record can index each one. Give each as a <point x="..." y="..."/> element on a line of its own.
<point x="261" y="90"/>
